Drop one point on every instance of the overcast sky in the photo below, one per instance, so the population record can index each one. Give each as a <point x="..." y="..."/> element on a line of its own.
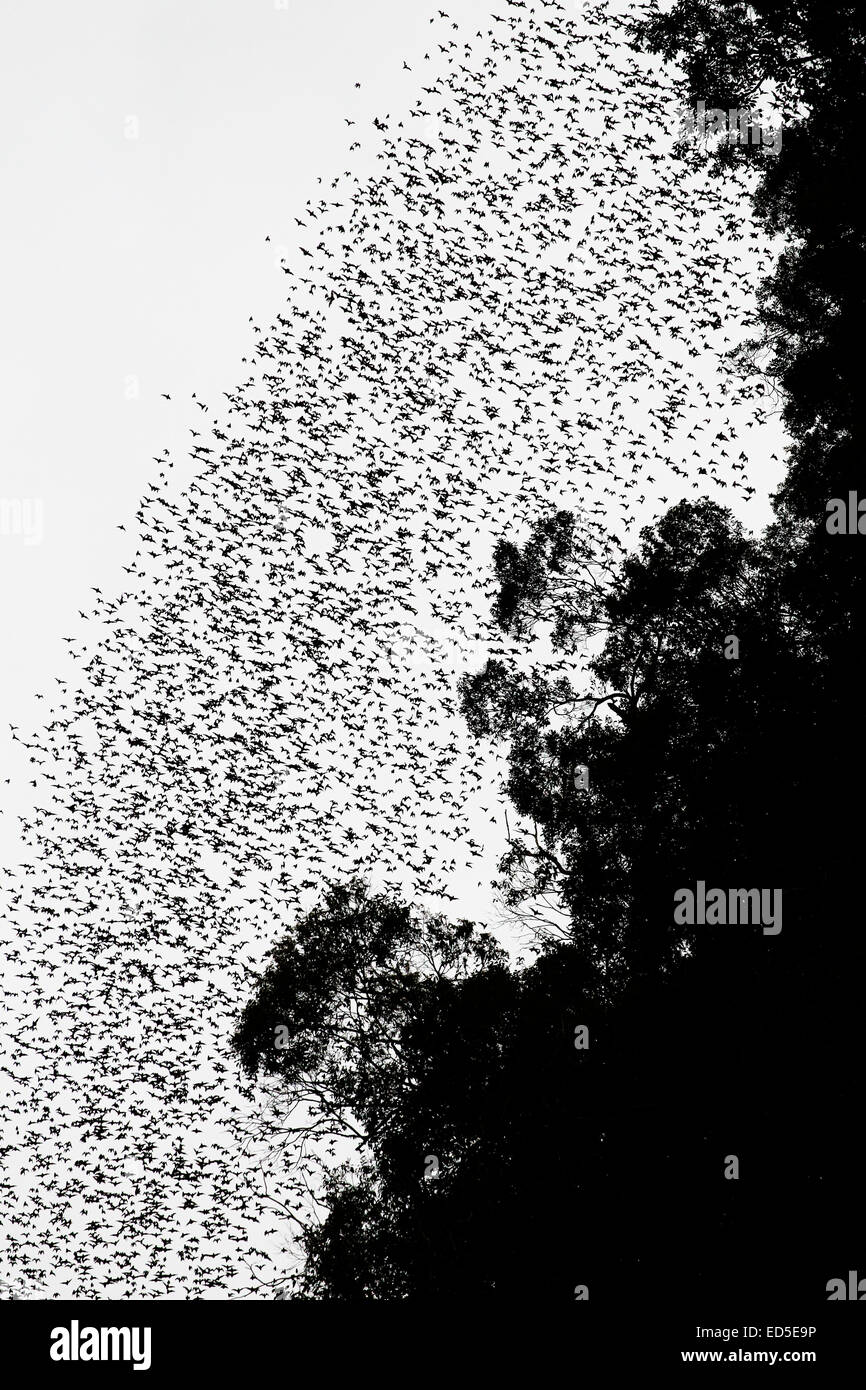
<point x="147" y="150"/>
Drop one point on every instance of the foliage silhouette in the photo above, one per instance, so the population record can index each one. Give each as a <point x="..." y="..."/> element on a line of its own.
<point x="604" y="1165"/>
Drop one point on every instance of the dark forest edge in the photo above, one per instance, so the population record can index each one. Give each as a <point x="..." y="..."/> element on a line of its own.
<point x="533" y="1131"/>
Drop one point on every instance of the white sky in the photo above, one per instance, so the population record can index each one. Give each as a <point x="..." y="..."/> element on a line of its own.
<point x="138" y="262"/>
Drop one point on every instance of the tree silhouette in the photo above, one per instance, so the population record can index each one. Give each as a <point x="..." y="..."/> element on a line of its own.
<point x="702" y="1043"/>
<point x="726" y="761"/>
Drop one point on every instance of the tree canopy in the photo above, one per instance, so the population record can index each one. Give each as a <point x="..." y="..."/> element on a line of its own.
<point x="581" y="1109"/>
